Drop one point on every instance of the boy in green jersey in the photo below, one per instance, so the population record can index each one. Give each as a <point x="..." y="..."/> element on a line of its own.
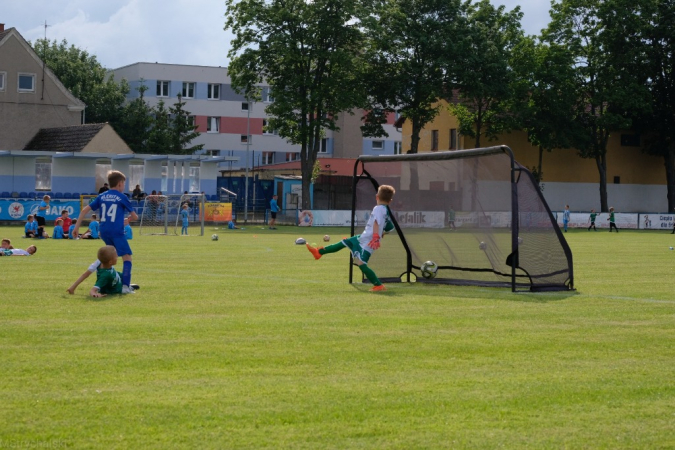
<point x="592" y="219"/>
<point x="612" y="223"/>
<point x="108" y="280"/>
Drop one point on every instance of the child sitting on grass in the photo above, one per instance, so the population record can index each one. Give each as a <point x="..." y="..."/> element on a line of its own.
<point x="108" y="280"/>
<point x="93" y="230"/>
<point x="58" y="229"/>
<point x="31" y="227"/>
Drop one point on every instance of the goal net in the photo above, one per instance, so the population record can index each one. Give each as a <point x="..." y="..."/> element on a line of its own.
<point x="162" y="215"/>
<point x="477" y="214"/>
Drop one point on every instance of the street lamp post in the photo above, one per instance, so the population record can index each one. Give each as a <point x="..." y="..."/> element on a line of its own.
<point x="248" y="146"/>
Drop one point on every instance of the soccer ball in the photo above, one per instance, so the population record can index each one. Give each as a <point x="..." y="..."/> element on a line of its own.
<point x="482" y="245"/>
<point x="214" y="237"/>
<point x="300" y="241"/>
<point x="326" y="238"/>
<point x="520" y="240"/>
<point x="429" y="269"/>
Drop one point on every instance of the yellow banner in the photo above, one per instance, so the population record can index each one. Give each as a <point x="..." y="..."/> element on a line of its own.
<point x="218" y="212"/>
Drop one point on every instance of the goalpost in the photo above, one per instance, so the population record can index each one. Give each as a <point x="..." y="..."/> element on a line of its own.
<point x="161" y="214"/>
<point x="477" y="214"/>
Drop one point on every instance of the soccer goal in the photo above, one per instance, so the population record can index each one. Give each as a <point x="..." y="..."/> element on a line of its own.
<point x="161" y="215"/>
<point x="477" y="214"/>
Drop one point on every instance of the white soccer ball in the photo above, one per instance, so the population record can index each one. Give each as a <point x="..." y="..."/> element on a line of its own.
<point x="520" y="240"/>
<point x="326" y="238"/>
<point x="300" y="241"/>
<point x="482" y="245"/>
<point x="214" y="237"/>
<point x="429" y="269"/>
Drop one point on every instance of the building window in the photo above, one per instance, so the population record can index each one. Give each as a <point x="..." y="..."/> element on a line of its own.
<point x="292" y="156"/>
<point x="267" y="130"/>
<point x="194" y="179"/>
<point x="191" y="121"/>
<point x="212" y="124"/>
<point x="267" y="96"/>
<point x="267" y="158"/>
<point x="103" y="166"/>
<point x="3" y="77"/>
<point x="397" y="148"/>
<point x="244" y="139"/>
<point x="378" y="145"/>
<point x="324" y="146"/>
<point x="136" y="175"/>
<point x="453" y="139"/>
<point x="26" y="82"/>
<point x="43" y="174"/>
<point x="162" y="88"/>
<point x="164" y="184"/>
<point x="244" y="106"/>
<point x="434" y="140"/>
<point x="188" y="90"/>
<point x="213" y="152"/>
<point x="214" y="92"/>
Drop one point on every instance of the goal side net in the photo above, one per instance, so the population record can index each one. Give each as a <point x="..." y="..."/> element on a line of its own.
<point x="477" y="214"/>
<point x="165" y="215"/>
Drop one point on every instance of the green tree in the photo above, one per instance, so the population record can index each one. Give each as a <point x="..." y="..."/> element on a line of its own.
<point x="410" y="59"/>
<point x="308" y="53"/>
<point x="86" y="79"/>
<point x="549" y="114"/>
<point x="183" y="129"/>
<point x="135" y="122"/>
<point x="578" y="25"/>
<point x="489" y="90"/>
<point x="160" y="139"/>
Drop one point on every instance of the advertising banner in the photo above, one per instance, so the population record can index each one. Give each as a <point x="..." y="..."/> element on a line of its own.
<point x="582" y="220"/>
<point x="656" y="221"/>
<point x="218" y="212"/>
<point x="19" y="209"/>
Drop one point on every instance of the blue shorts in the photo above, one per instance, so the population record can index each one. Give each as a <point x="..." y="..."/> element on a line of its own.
<point x="119" y="242"/>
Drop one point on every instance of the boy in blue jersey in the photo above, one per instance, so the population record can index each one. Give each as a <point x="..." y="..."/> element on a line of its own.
<point x="113" y="204"/>
<point x="363" y="245"/>
<point x="274" y="209"/>
<point x="93" y="230"/>
<point x="58" y="229"/>
<point x="184" y="215"/>
<point x="71" y="229"/>
<point x="31" y="227"/>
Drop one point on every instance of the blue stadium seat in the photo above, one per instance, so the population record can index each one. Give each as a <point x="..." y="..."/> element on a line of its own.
<point x="214" y="197"/>
<point x="32" y="195"/>
<point x="58" y="195"/>
<point x="23" y="194"/>
<point x="5" y="195"/>
<point x="67" y="195"/>
<point x="76" y="195"/>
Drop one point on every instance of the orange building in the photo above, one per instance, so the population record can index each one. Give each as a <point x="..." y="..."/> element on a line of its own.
<point x="636" y="182"/>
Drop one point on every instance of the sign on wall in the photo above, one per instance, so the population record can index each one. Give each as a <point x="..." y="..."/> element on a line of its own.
<point x="20" y="209"/>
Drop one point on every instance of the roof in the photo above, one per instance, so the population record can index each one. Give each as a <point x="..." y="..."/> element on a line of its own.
<point x="64" y="139"/>
<point x="5" y="33"/>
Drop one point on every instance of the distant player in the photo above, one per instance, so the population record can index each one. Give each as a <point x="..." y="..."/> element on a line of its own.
<point x="274" y="209"/>
<point x="591" y="218"/>
<point x="612" y="223"/>
<point x="566" y="217"/>
<point x="18" y="252"/>
<point x="363" y="245"/>
<point x="93" y="232"/>
<point x="184" y="216"/>
<point x="451" y="219"/>
<point x="31" y="227"/>
<point x="112" y="205"/>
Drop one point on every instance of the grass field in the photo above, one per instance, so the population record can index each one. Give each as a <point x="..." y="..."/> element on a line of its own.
<point x="248" y="342"/>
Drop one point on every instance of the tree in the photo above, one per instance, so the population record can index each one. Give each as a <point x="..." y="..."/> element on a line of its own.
<point x="135" y="122"/>
<point x="640" y="34"/>
<point x="86" y="79"/>
<point x="307" y="53"/>
<point x="410" y="54"/>
<point x="183" y="129"/>
<point x="488" y="89"/>
<point x="578" y="25"/>
<point x="160" y="139"/>
<point x="549" y="114"/>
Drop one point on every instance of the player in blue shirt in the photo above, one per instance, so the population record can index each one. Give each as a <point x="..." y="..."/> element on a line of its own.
<point x="184" y="215"/>
<point x="128" y="232"/>
<point x="113" y="204"/>
<point x="93" y="231"/>
<point x="31" y="227"/>
<point x="274" y="209"/>
<point x="58" y="229"/>
<point x="71" y="229"/>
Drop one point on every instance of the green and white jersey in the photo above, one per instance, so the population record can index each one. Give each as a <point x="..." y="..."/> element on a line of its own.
<point x="593" y="216"/>
<point x="109" y="281"/>
<point x="611" y="217"/>
<point x="380" y="215"/>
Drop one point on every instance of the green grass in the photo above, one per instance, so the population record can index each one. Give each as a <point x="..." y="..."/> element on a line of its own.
<point x="248" y="342"/>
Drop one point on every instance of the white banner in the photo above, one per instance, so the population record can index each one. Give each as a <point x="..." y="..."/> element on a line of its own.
<point x="412" y="219"/>
<point x="656" y="221"/>
<point x="583" y="220"/>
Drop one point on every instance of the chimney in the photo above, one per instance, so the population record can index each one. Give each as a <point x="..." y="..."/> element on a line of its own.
<point x="2" y="27"/>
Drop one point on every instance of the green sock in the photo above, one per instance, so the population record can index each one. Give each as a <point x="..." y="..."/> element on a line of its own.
<point x="368" y="272"/>
<point x="331" y="248"/>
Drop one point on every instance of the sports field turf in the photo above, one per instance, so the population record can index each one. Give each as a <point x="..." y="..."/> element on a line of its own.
<point x="248" y="342"/>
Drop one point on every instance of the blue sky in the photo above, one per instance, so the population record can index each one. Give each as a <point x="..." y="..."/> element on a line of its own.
<point x="121" y="32"/>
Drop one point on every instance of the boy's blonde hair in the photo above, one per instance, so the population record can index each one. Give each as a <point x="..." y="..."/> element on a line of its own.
<point x="7" y="241"/>
<point x="385" y="193"/>
<point x="59" y="220"/>
<point x="106" y="254"/>
<point x="114" y="178"/>
<point x="30" y="216"/>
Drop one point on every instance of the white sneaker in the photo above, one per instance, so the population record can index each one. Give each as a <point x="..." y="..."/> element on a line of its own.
<point x="128" y="290"/>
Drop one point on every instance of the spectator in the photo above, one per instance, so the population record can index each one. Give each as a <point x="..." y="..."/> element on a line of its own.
<point x="137" y="194"/>
<point x="104" y="188"/>
<point x="58" y="229"/>
<point x="67" y="222"/>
